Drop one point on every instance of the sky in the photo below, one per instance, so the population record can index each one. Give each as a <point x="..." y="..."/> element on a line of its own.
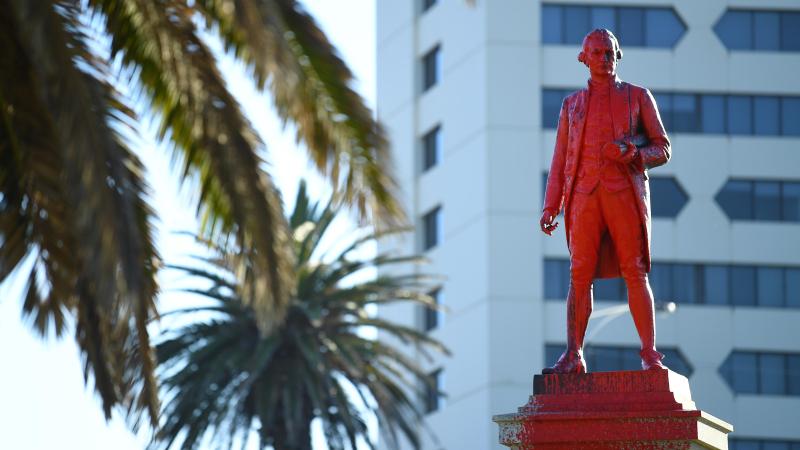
<point x="44" y="403"/>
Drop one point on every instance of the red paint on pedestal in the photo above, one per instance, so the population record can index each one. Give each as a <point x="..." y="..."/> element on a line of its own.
<point x="650" y="409"/>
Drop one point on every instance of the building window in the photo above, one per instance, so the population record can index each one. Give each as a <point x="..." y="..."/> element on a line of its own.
<point x="551" y="106"/>
<point x="604" y="358"/>
<point x="557" y="279"/>
<point x="757" y="115"/>
<point x="431" y="148"/>
<point x="432" y="317"/>
<point x="432" y="228"/>
<point x="431" y="68"/>
<point x="633" y="26"/>
<point x="692" y="283"/>
<point x="428" y="4"/>
<point x="433" y="400"/>
<point x="762" y="373"/>
<point x="667" y="197"/>
<point x="760" y="200"/>
<point x="760" y="30"/>
<point x="762" y="444"/>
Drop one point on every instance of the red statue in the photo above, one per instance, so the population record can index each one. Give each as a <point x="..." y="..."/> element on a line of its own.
<point x="609" y="134"/>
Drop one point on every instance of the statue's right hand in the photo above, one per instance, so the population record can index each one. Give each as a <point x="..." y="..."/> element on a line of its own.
<point x="546" y="223"/>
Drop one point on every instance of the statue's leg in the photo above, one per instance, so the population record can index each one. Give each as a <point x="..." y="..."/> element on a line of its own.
<point x="586" y="230"/>
<point x="625" y="227"/>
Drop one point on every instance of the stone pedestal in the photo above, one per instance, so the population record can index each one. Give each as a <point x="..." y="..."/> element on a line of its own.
<point x="650" y="409"/>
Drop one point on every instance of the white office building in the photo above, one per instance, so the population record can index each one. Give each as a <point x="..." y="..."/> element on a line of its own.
<point x="470" y="93"/>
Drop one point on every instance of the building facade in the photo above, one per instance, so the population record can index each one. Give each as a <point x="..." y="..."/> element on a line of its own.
<point x="470" y="95"/>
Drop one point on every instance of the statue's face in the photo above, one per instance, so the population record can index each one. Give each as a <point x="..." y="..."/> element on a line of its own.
<point x="600" y="56"/>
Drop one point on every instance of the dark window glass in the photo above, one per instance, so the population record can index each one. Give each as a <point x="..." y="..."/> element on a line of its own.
<point x="790" y="115"/>
<point x="676" y="362"/>
<point x="790" y="208"/>
<point x="551" y="107"/>
<point x="544" y="185"/>
<point x="603" y="359"/>
<point x="661" y="281"/>
<point x="766" y="115"/>
<point x="576" y="24"/>
<point x="433" y="387"/>
<point x="715" y="285"/>
<point x="762" y="373"/>
<point x="793" y="374"/>
<point x="744" y="378"/>
<point x="432" y="148"/>
<point x="629" y="359"/>
<point x="552" y="24"/>
<point x="740" y="114"/>
<point x="432" y="229"/>
<point x="432" y="315"/>
<point x="609" y="289"/>
<point x="736" y="199"/>
<point x="685" y="283"/>
<point x="773" y="445"/>
<point x="551" y="353"/>
<point x="603" y="17"/>
<point x="664" y="102"/>
<point x="743" y="285"/>
<point x="556" y="279"/>
<point x="744" y="444"/>
<point x="708" y="113"/>
<point x="631" y="26"/>
<point x="663" y="28"/>
<point x="790" y="37"/>
<point x="426" y="4"/>
<point x="772" y="376"/>
<point x="713" y="107"/>
<point x="667" y="197"/>
<point x="684" y="112"/>
<point x="770" y="286"/>
<point x="766" y="33"/>
<point x="735" y="30"/>
<point x="767" y="200"/>
<point x="792" y="287"/>
<point x="638" y="27"/>
<point x="430" y="69"/>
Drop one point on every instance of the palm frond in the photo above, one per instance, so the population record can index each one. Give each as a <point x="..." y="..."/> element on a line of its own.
<point x="216" y="142"/>
<point x="108" y="261"/>
<point x="309" y="367"/>
<point x="310" y="84"/>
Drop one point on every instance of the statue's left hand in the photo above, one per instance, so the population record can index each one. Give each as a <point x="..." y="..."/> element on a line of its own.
<point x="622" y="151"/>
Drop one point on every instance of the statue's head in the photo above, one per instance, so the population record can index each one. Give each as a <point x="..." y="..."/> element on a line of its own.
<point x="600" y="52"/>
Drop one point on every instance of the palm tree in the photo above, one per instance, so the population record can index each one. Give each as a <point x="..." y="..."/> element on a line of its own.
<point x="74" y="217"/>
<point x="224" y="379"/>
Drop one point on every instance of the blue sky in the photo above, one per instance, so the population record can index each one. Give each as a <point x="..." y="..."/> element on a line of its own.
<point x="44" y="403"/>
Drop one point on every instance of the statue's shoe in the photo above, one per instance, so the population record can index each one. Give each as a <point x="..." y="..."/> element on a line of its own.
<point x="652" y="359"/>
<point x="569" y="362"/>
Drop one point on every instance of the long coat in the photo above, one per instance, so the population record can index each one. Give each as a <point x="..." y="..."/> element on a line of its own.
<point x="634" y="113"/>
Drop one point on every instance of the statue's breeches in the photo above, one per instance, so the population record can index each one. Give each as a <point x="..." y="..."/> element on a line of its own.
<point x="593" y="215"/>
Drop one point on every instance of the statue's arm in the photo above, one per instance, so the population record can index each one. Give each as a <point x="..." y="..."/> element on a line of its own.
<point x="657" y="150"/>
<point x="554" y="194"/>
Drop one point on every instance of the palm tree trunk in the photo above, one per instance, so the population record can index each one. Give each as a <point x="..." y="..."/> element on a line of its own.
<point x="283" y="440"/>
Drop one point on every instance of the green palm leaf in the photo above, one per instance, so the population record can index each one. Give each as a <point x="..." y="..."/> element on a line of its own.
<point x="74" y="218"/>
<point x="84" y="199"/>
<point x="316" y="365"/>
<point x="289" y="54"/>
<point x="217" y="144"/>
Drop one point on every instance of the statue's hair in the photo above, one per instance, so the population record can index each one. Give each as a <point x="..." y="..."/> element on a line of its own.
<point x="596" y="33"/>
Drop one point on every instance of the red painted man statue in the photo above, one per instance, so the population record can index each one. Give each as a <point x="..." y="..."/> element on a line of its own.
<point x="609" y="134"/>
